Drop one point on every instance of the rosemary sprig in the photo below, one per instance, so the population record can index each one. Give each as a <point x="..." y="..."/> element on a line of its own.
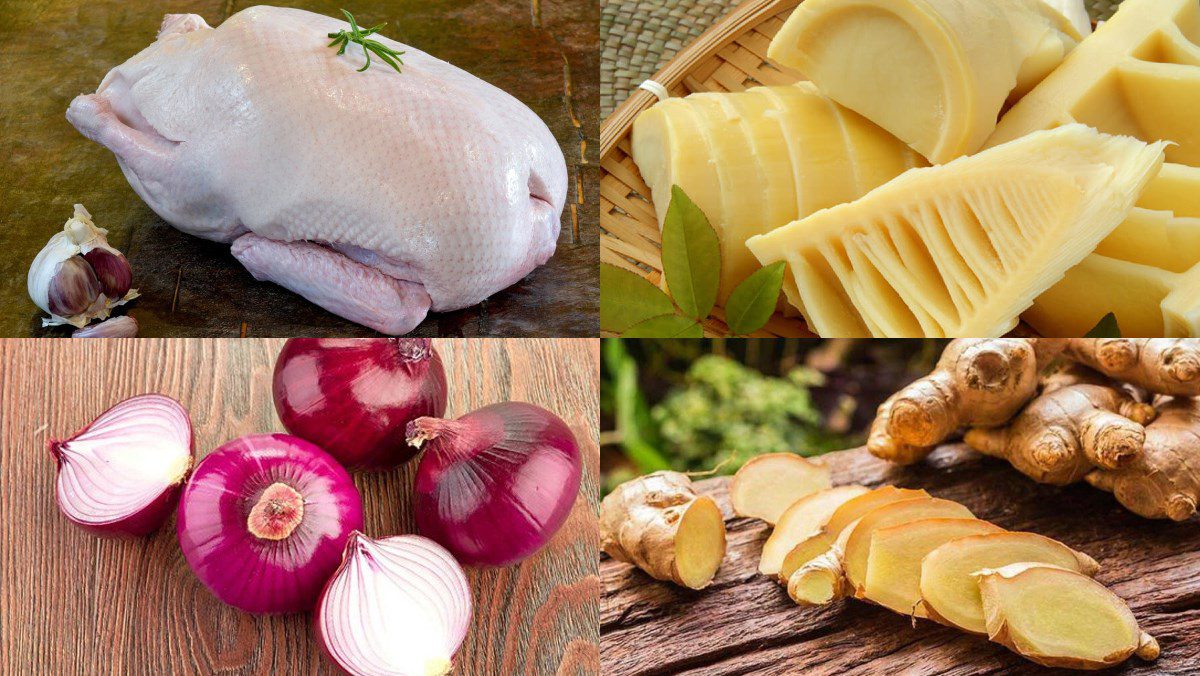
<point x="359" y="36"/>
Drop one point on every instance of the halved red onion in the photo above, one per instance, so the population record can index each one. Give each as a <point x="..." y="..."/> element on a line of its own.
<point x="121" y="474"/>
<point x="264" y="520"/>
<point x="496" y="484"/>
<point x="354" y="397"/>
<point x="398" y="605"/>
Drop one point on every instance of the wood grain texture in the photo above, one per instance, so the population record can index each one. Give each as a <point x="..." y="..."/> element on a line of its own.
<point x="71" y="603"/>
<point x="544" y="54"/>
<point x="745" y="623"/>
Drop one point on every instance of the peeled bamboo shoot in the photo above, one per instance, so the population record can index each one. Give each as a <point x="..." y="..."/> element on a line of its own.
<point x="963" y="248"/>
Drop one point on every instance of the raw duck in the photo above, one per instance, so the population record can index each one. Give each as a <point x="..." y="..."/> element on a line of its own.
<point x="377" y="195"/>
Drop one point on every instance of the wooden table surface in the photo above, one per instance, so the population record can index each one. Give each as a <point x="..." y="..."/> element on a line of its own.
<point x="544" y="53"/>
<point x="72" y="603"/>
<point x="745" y="623"/>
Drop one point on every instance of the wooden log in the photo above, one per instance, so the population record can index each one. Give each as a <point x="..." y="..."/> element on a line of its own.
<point x="745" y="622"/>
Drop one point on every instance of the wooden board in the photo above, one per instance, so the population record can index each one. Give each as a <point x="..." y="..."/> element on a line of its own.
<point x="545" y="54"/>
<point x="72" y="603"/>
<point x="745" y="623"/>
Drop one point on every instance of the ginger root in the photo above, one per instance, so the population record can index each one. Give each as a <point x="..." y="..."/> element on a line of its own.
<point x="1063" y="435"/>
<point x="768" y="484"/>
<point x="659" y="524"/>
<point x="980" y="382"/>
<point x="1160" y="365"/>
<point x="950" y="595"/>
<point x="1164" y="480"/>
<point x="1060" y="618"/>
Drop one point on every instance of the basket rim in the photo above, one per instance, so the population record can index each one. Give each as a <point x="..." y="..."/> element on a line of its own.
<point x="718" y="36"/>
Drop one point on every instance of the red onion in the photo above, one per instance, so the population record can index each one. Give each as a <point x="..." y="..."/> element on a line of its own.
<point x="264" y="519"/>
<point x="121" y="474"/>
<point x="399" y="605"/>
<point x="354" y="397"/>
<point x="496" y="484"/>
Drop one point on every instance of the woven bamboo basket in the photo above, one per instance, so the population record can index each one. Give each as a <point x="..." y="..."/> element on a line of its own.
<point x="729" y="57"/>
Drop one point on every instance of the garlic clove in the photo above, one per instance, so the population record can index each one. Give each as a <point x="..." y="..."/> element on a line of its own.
<point x="116" y="327"/>
<point x="77" y="276"/>
<point x="112" y="270"/>
<point x="73" y="288"/>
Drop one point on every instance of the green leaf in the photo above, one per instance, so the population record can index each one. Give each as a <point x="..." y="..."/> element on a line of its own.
<point x="665" y="326"/>
<point x="627" y="299"/>
<point x="691" y="256"/>
<point x="753" y="301"/>
<point x="1107" y="328"/>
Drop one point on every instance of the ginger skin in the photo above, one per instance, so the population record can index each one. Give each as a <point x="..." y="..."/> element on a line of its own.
<point x="1062" y="436"/>
<point x="1160" y="365"/>
<point x="979" y="382"/>
<point x="1164" y="481"/>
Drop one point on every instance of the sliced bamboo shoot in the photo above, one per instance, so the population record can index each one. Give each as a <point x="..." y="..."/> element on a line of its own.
<point x="963" y="248"/>
<point x="1147" y="272"/>
<point x="1138" y="75"/>
<point x="935" y="73"/>
<point x="758" y="159"/>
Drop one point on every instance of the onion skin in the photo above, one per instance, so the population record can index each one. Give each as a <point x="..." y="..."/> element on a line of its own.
<point x="155" y="513"/>
<point x="354" y="397"/>
<point x="406" y="593"/>
<point x="495" y="485"/>
<point x="255" y="574"/>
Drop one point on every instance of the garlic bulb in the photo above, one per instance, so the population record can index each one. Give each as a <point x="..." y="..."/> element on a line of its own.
<point x="77" y="276"/>
<point x="115" y="327"/>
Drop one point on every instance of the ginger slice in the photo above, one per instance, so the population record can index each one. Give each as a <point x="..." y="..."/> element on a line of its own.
<point x="848" y="513"/>
<point x="768" y="484"/>
<point x="841" y="569"/>
<point x="822" y="580"/>
<point x="1060" y="618"/>
<point x="949" y="593"/>
<point x="858" y="543"/>
<point x="659" y="524"/>
<point x="894" y="559"/>
<point x="803" y="519"/>
<point x="962" y="248"/>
